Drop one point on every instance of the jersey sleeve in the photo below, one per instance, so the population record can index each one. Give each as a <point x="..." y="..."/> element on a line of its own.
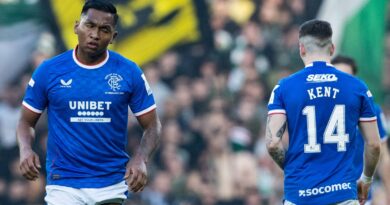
<point x="381" y="119"/>
<point x="35" y="98"/>
<point x="367" y="112"/>
<point x="141" y="100"/>
<point x="275" y="103"/>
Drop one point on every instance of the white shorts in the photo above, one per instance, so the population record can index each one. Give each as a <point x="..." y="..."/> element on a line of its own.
<point x="348" y="202"/>
<point x="62" y="195"/>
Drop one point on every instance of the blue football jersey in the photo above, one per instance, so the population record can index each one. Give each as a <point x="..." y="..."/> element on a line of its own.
<point x="88" y="107"/>
<point x="359" y="157"/>
<point x="323" y="107"/>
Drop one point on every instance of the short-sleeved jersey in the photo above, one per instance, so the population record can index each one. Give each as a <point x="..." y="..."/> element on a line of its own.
<point x="88" y="109"/>
<point x="323" y="107"/>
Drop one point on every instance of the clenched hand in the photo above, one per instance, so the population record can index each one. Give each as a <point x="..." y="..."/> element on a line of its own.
<point x="29" y="164"/>
<point x="363" y="189"/>
<point x="136" y="174"/>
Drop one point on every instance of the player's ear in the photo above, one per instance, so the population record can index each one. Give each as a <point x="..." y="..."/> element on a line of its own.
<point x="113" y="37"/>
<point x="302" y="50"/>
<point x="76" y="25"/>
<point x="332" y="49"/>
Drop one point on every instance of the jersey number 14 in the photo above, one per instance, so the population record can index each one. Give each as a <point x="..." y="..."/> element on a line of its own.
<point x="334" y="132"/>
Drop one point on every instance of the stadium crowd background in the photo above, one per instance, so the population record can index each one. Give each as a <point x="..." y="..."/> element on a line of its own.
<point x="213" y="104"/>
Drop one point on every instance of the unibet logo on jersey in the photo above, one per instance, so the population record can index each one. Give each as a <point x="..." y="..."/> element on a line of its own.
<point x="90" y="111"/>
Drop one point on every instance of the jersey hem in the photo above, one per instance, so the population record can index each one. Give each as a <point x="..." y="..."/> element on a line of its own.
<point x="86" y="183"/>
<point x="279" y="111"/>
<point x="146" y="110"/>
<point x="367" y="119"/>
<point x="321" y="201"/>
<point x="25" y="104"/>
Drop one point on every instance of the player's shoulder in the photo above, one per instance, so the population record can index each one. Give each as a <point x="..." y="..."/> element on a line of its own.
<point x="123" y="62"/>
<point x="353" y="80"/>
<point x="55" y="64"/>
<point x="293" y="78"/>
<point x="344" y="75"/>
<point x="62" y="58"/>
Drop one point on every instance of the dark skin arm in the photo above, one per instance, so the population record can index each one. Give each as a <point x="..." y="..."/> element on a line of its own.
<point x="29" y="161"/>
<point x="136" y="172"/>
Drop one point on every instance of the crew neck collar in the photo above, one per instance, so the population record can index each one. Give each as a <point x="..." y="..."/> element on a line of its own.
<point x="93" y="66"/>
<point x="318" y="63"/>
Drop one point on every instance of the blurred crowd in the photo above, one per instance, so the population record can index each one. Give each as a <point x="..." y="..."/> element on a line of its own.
<point x="212" y="102"/>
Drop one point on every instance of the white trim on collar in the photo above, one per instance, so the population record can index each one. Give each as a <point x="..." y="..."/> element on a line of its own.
<point x="90" y="66"/>
<point x="311" y="64"/>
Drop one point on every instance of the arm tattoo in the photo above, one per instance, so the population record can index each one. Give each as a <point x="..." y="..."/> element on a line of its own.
<point x="281" y="130"/>
<point x="279" y="133"/>
<point x="278" y="156"/>
<point x="277" y="152"/>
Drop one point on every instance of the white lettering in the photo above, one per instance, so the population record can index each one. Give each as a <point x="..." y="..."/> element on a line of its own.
<point x="72" y="105"/>
<point x="90" y="119"/>
<point x="100" y="105"/>
<point x="315" y="191"/>
<point x="320" y="78"/>
<point x="324" y="190"/>
<point x="321" y="190"/>
<point x="336" y="187"/>
<point x="319" y="92"/>
<point x="108" y="105"/>
<point x="92" y="105"/>
<point x="308" y="192"/>
<point x="89" y="105"/>
<point x="311" y="94"/>
<point x="327" y="91"/>
<point x="81" y="105"/>
<point x="335" y="91"/>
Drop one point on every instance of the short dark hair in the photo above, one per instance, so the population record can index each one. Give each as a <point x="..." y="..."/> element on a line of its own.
<point x="101" y="5"/>
<point x="316" y="28"/>
<point x="346" y="60"/>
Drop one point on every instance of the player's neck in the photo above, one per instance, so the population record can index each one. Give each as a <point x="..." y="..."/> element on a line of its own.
<point x="308" y="59"/>
<point x="89" y="60"/>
